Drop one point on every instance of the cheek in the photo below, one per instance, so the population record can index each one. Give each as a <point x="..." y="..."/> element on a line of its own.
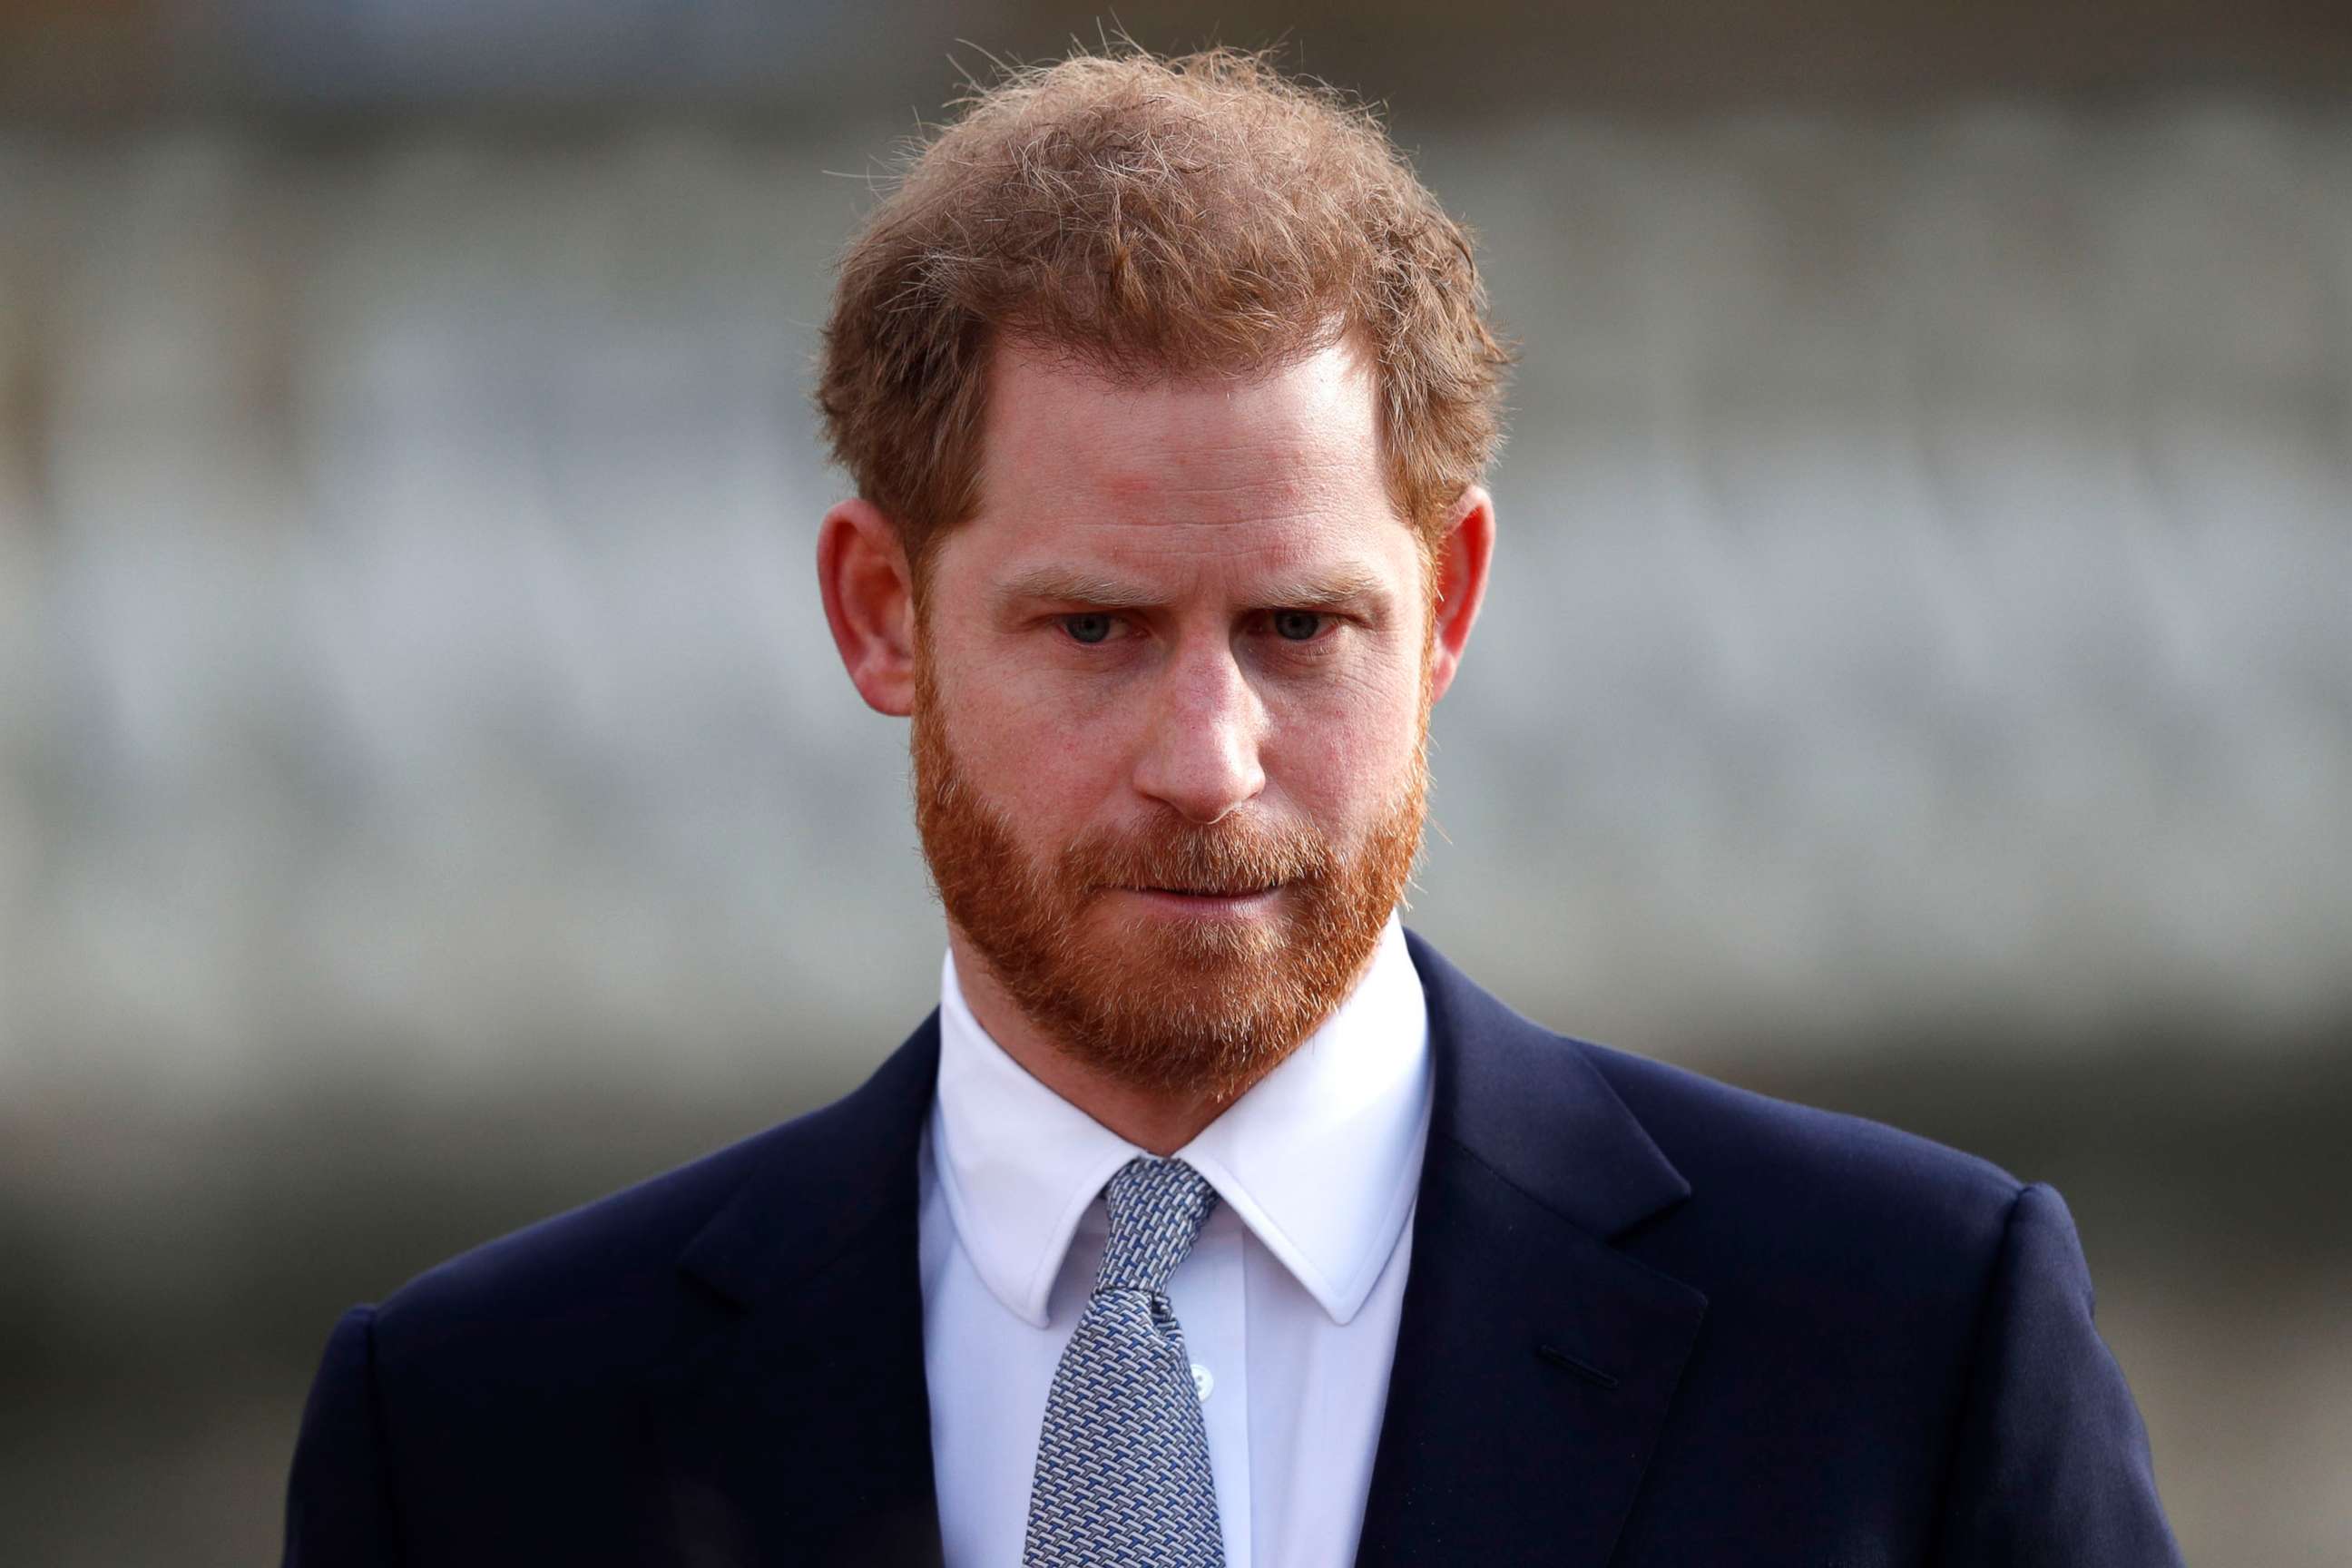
<point x="1340" y="758"/>
<point x="1032" y="753"/>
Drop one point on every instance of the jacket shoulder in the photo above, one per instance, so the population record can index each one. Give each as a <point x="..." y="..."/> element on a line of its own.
<point x="604" y="1289"/>
<point x="608" y="1271"/>
<point x="1808" y="1182"/>
<point x="601" y="1263"/>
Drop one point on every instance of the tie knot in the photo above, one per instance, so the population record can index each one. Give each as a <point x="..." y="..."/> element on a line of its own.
<point x="1157" y="1208"/>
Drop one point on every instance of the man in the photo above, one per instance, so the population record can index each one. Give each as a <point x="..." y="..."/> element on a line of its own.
<point x="1212" y="1218"/>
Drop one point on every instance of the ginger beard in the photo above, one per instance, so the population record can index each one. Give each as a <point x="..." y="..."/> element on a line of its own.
<point x="1171" y="1006"/>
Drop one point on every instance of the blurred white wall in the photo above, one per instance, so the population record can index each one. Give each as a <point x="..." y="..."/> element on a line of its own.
<point x="1923" y="597"/>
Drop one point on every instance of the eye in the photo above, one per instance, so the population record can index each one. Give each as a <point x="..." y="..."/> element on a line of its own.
<point x="1087" y="628"/>
<point x="1297" y="625"/>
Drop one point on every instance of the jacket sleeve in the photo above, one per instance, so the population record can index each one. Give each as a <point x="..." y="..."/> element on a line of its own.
<point x="2053" y="1464"/>
<point x="339" y="1509"/>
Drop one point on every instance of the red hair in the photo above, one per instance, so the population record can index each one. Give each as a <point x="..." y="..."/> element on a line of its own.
<point x="1201" y="216"/>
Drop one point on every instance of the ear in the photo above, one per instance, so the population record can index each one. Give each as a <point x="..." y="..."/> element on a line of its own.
<point x="1462" y="559"/>
<point x="869" y="602"/>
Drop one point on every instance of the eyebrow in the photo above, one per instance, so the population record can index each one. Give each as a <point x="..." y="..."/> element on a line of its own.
<point x="1340" y="585"/>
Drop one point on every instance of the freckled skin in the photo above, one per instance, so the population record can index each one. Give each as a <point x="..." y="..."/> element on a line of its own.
<point x="1190" y="512"/>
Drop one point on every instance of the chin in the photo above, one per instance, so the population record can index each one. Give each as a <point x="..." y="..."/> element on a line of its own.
<point x="1179" y="1007"/>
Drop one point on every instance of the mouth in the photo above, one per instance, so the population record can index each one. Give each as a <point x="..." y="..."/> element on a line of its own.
<point x="1205" y="900"/>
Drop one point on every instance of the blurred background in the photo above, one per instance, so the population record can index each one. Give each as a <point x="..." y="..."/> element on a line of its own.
<point x="1919" y="679"/>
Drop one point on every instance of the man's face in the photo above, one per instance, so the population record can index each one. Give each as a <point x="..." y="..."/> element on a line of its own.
<point x="1171" y="699"/>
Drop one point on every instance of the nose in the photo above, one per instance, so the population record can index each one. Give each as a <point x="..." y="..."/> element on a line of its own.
<point x="1200" y="754"/>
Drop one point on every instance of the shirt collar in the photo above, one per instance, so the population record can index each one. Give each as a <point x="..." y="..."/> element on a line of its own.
<point x="1320" y="1159"/>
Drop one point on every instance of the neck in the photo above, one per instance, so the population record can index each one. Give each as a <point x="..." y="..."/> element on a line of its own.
<point x="1159" y="1121"/>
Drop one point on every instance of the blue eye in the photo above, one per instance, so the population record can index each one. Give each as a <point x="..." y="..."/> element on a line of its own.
<point x="1090" y="628"/>
<point x="1297" y="625"/>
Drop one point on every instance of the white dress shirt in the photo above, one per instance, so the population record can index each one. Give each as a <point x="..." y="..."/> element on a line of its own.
<point x="1288" y="1302"/>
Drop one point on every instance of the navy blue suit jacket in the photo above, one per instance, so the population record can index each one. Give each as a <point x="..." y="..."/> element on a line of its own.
<point x="1651" y="1319"/>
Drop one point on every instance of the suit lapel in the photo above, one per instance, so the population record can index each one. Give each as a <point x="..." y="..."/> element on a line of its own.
<point x="1534" y="1362"/>
<point x="793" y="1416"/>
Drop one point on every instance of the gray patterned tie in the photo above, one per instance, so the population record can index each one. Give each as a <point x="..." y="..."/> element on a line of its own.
<point x="1123" y="1461"/>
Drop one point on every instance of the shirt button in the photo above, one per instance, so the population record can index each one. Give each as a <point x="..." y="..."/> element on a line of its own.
<point x="1201" y="1380"/>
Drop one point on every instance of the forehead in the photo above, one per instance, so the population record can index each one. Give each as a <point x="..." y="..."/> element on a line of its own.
<point x="1285" y="463"/>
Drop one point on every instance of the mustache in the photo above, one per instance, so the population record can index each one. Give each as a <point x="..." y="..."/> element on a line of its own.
<point x="1231" y="859"/>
